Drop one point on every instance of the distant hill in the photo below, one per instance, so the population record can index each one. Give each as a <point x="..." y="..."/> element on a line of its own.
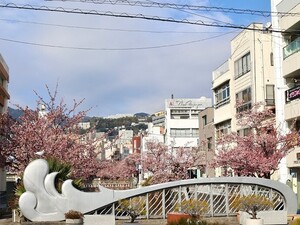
<point x="15" y="113"/>
<point x="141" y="114"/>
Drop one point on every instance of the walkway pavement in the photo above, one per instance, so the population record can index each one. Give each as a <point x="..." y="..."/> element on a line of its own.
<point x="226" y="220"/>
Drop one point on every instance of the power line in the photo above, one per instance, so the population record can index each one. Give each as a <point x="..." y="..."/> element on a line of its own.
<point x="143" y="4"/>
<point x="112" y="49"/>
<point x="108" y="29"/>
<point x="134" y="16"/>
<point x="184" y="6"/>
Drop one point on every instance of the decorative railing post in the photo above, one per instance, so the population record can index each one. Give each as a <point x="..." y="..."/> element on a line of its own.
<point x="211" y="200"/>
<point x="226" y="200"/>
<point x="163" y="203"/>
<point x="147" y="205"/>
<point x="179" y="197"/>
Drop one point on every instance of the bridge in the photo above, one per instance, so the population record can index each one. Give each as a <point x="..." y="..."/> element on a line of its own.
<point x="42" y="202"/>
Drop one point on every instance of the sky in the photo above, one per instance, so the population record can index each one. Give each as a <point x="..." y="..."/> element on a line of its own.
<point x="117" y="65"/>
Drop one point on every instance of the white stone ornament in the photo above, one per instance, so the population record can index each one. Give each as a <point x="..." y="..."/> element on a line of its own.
<point x="42" y="202"/>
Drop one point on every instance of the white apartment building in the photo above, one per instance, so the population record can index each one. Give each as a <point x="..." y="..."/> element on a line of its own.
<point x="182" y="120"/>
<point x="287" y="61"/>
<point x="4" y="96"/>
<point x="247" y="76"/>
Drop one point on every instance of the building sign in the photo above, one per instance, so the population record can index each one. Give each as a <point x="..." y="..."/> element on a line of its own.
<point x="297" y="162"/>
<point x="293" y="93"/>
<point x="188" y="103"/>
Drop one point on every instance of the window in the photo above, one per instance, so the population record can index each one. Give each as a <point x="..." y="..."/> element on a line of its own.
<point x="297" y="125"/>
<point x="242" y="65"/>
<point x="270" y="95"/>
<point x="272" y="59"/>
<point x="209" y="143"/>
<point x="243" y="99"/>
<point x="195" y="132"/>
<point x="244" y="132"/>
<point x="204" y="120"/>
<point x="222" y="95"/>
<point x="184" y="132"/>
<point x="223" y="128"/>
<point x="180" y="114"/>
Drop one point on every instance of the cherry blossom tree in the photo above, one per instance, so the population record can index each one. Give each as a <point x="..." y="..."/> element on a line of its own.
<point x="53" y="132"/>
<point x="166" y="164"/>
<point x="123" y="169"/>
<point x="259" y="152"/>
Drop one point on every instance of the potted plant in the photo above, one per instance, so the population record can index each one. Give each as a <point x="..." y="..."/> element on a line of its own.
<point x="252" y="204"/>
<point x="133" y="207"/>
<point x="191" y="209"/>
<point x="74" y="217"/>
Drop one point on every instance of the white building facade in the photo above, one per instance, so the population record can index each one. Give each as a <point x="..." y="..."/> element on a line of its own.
<point x="182" y="120"/>
<point x="4" y="96"/>
<point x="247" y="78"/>
<point x="287" y="58"/>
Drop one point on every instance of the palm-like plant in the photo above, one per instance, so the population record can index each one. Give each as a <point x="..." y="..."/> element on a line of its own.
<point x="64" y="170"/>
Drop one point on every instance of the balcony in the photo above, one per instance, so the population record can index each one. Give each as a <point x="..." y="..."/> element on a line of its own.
<point x="291" y="48"/>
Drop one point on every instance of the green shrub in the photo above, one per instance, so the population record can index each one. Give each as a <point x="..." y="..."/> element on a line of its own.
<point x="193" y="221"/>
<point x="253" y="203"/>
<point x="296" y="221"/>
<point x="195" y="208"/>
<point x="134" y="207"/>
<point x="73" y="214"/>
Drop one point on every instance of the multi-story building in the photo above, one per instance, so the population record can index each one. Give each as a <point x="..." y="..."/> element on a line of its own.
<point x="4" y="76"/>
<point x="4" y="96"/>
<point x="287" y="61"/>
<point x="182" y="121"/>
<point x="158" y="118"/>
<point x="207" y="140"/>
<point x="246" y="78"/>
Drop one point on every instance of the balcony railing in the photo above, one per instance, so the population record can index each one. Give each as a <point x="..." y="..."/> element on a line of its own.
<point x="221" y="70"/>
<point x="291" y="48"/>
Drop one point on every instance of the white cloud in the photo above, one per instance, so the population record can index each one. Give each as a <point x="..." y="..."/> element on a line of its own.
<point x="111" y="81"/>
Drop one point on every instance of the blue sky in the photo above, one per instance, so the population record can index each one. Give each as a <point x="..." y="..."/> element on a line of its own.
<point x="118" y="79"/>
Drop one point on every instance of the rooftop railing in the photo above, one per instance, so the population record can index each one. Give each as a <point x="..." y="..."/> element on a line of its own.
<point x="291" y="48"/>
<point x="220" y="70"/>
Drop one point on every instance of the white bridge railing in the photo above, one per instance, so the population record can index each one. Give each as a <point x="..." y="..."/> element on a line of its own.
<point x="42" y="202"/>
<point x="220" y="197"/>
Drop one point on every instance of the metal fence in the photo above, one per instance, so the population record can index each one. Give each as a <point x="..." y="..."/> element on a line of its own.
<point x="219" y="197"/>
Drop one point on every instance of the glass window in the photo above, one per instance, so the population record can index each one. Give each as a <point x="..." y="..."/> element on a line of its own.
<point x="204" y="120"/>
<point x="244" y="132"/>
<point x="184" y="132"/>
<point x="222" y="95"/>
<point x="242" y="65"/>
<point x="223" y="128"/>
<point x="270" y="95"/>
<point x="243" y="99"/>
<point x="209" y="143"/>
